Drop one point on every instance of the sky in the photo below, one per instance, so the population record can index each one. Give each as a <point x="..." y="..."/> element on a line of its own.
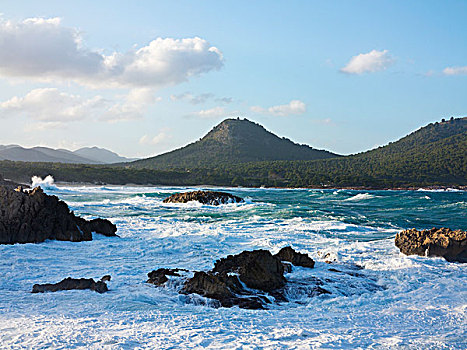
<point x="145" y="77"/>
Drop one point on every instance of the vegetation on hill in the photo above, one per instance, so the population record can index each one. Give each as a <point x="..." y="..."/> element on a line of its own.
<point x="435" y="155"/>
<point x="233" y="141"/>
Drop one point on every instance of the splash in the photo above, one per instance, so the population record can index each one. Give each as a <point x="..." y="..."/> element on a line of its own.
<point x="47" y="182"/>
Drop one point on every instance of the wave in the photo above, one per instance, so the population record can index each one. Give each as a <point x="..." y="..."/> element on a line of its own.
<point x="47" y="182"/>
<point x="360" y="196"/>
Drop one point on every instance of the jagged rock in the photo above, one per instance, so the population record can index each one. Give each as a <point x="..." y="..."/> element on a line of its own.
<point x="102" y="226"/>
<point x="73" y="283"/>
<point x="159" y="276"/>
<point x="223" y="288"/>
<point x="444" y="242"/>
<point x="258" y="269"/>
<point x="297" y="259"/>
<point x="33" y="217"/>
<point x="204" y="197"/>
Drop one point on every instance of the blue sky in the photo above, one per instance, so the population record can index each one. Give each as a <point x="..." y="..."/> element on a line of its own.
<point x="145" y="77"/>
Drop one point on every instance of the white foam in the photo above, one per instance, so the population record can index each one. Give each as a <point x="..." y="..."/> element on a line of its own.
<point x="47" y="182"/>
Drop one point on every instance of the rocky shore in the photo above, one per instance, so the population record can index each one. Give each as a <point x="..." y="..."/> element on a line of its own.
<point x="32" y="216"/>
<point x="443" y="242"/>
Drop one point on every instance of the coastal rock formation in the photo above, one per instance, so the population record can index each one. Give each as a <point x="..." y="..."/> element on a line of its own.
<point x="159" y="276"/>
<point x="444" y="242"/>
<point x="73" y="283"/>
<point x="297" y="259"/>
<point x="204" y="197"/>
<point x="249" y="280"/>
<point x="33" y="216"/>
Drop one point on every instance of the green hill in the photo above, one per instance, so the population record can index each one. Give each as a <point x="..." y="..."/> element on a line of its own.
<point x="233" y="141"/>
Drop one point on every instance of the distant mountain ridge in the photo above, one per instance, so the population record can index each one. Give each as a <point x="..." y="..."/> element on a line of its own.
<point x="233" y="141"/>
<point x="86" y="155"/>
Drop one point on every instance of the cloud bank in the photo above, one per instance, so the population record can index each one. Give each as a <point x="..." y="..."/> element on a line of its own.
<point x="373" y="61"/>
<point x="44" y="50"/>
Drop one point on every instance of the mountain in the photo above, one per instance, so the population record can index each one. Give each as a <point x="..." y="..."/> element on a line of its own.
<point x="87" y="155"/>
<point x="233" y="141"/>
<point x="101" y="155"/>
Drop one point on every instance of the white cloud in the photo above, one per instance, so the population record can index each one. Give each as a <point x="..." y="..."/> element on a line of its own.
<point x="44" y="50"/>
<point x="51" y="105"/>
<point x="294" y="107"/>
<point x="53" y="108"/>
<point x="154" y="140"/>
<point x="211" y="113"/>
<point x="191" y="98"/>
<point x="200" y="98"/>
<point x="455" y="70"/>
<point x="373" y="61"/>
<point x="132" y="106"/>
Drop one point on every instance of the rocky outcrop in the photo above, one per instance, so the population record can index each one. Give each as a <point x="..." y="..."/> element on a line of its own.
<point x="251" y="279"/>
<point x="159" y="276"/>
<point x="297" y="259"/>
<point x="31" y="216"/>
<point x="204" y="197"/>
<point x="73" y="283"/>
<point x="443" y="242"/>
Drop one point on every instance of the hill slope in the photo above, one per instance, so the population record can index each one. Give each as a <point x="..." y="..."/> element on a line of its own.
<point x="233" y="141"/>
<point x="87" y="155"/>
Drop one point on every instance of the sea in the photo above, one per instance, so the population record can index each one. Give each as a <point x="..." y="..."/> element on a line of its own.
<point x="379" y="298"/>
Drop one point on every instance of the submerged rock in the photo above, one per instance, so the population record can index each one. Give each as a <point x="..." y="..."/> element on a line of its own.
<point x="204" y="197"/>
<point x="297" y="259"/>
<point x="443" y="242"/>
<point x="251" y="279"/>
<point x="73" y="283"/>
<point x="31" y="216"/>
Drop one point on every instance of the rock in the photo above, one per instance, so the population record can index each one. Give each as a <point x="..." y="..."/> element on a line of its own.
<point x="204" y="197"/>
<point x="159" y="276"/>
<point x="443" y="242"/>
<point x="73" y="283"/>
<point x="258" y="269"/>
<point x="33" y="217"/>
<point x="223" y="288"/>
<point x="297" y="259"/>
<point x="102" y="226"/>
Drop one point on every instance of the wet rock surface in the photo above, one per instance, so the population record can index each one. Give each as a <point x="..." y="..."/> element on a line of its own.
<point x="443" y="242"/>
<point x="204" y="197"/>
<point x="297" y="259"/>
<point x="251" y="280"/>
<point x="73" y="283"/>
<point x="31" y="216"/>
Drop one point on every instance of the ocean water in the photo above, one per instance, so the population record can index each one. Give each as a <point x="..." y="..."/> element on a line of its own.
<point x="380" y="298"/>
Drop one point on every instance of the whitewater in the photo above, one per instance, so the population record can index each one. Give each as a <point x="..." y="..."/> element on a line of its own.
<point x="380" y="299"/>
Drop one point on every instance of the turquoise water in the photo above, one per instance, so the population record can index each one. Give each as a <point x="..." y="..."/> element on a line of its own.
<point x="394" y="301"/>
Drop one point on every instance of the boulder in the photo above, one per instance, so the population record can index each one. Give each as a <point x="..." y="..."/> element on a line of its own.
<point x="443" y="242"/>
<point x="204" y="197"/>
<point x="258" y="269"/>
<point x="297" y="259"/>
<point x="73" y="283"/>
<point x="32" y="216"/>
<point x="159" y="276"/>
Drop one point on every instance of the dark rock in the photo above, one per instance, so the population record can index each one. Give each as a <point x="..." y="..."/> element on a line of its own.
<point x="258" y="269"/>
<point x="33" y="217"/>
<point x="73" y="283"/>
<point x="443" y="242"/>
<point x="159" y="276"/>
<point x="102" y="226"/>
<point x="106" y="278"/>
<point x="223" y="288"/>
<point x="297" y="259"/>
<point x="204" y="197"/>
